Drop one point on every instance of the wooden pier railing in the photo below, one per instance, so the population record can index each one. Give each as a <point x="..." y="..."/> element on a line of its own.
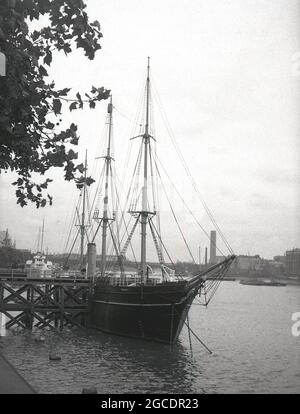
<point x="44" y="302"/>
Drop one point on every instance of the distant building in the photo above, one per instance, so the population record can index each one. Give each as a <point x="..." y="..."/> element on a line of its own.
<point x="2" y="238"/>
<point x="273" y="268"/>
<point x="280" y="259"/>
<point x="5" y="239"/>
<point x="293" y="262"/>
<point x="247" y="262"/>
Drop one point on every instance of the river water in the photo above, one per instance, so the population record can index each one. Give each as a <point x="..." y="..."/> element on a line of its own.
<point x="248" y="328"/>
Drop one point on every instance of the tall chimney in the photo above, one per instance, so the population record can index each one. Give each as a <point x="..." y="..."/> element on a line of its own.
<point x="205" y="256"/>
<point x="213" y="243"/>
<point x="91" y="260"/>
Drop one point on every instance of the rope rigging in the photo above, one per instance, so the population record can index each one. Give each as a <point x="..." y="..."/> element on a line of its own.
<point x="184" y="203"/>
<point x="133" y="189"/>
<point x="186" y="168"/>
<point x="134" y="193"/>
<point x="158" y="250"/>
<point x="176" y="221"/>
<point x="159" y="237"/>
<point x="177" y="149"/>
<point x="142" y="200"/>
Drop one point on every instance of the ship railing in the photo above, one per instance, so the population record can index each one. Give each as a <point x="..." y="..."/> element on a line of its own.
<point x="127" y="280"/>
<point x="68" y="274"/>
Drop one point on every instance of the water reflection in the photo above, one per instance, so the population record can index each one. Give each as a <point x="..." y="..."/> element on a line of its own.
<point x="130" y="365"/>
<point x="112" y="364"/>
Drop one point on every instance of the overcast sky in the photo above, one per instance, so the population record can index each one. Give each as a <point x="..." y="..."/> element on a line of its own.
<point x="228" y="75"/>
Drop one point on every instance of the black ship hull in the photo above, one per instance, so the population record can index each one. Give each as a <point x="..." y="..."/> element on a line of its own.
<point x="154" y="313"/>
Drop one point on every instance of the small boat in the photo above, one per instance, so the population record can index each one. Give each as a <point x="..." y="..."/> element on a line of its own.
<point x="258" y="282"/>
<point x="39" y="266"/>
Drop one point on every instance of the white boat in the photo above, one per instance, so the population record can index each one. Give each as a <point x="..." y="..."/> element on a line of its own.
<point x="39" y="266"/>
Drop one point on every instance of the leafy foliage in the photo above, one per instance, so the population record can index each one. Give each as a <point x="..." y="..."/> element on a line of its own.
<point x="30" y="105"/>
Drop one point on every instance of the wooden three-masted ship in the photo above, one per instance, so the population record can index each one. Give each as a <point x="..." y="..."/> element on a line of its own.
<point x="147" y="304"/>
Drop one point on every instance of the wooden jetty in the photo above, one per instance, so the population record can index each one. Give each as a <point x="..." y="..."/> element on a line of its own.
<point x="45" y="302"/>
<point x="11" y="273"/>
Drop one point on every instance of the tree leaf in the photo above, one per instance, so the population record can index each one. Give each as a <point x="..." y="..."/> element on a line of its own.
<point x="73" y="106"/>
<point x="43" y="71"/>
<point x="29" y="119"/>
<point x="56" y="106"/>
<point x="48" y="58"/>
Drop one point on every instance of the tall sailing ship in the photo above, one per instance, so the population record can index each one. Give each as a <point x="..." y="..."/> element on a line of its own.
<point x="146" y="303"/>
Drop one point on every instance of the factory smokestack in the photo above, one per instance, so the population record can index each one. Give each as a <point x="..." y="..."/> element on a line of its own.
<point x="213" y="244"/>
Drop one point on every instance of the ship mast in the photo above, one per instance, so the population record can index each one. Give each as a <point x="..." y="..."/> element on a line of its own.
<point x="38" y="241"/>
<point x="42" y="238"/>
<point x="105" y="218"/>
<point x="82" y="224"/>
<point x="144" y="212"/>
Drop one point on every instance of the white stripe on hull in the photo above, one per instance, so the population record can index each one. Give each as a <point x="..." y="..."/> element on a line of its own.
<point x="141" y="304"/>
<point x="135" y="304"/>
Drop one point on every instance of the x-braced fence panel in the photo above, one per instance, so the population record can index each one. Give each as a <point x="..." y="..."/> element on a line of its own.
<point x="45" y="303"/>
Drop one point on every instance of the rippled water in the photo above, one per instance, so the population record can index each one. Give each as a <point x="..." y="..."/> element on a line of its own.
<point x="248" y="329"/>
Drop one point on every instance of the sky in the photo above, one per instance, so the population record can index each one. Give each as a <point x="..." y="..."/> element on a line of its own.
<point x="227" y="73"/>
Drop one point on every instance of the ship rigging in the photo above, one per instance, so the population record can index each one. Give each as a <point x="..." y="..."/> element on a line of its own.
<point x="144" y="304"/>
